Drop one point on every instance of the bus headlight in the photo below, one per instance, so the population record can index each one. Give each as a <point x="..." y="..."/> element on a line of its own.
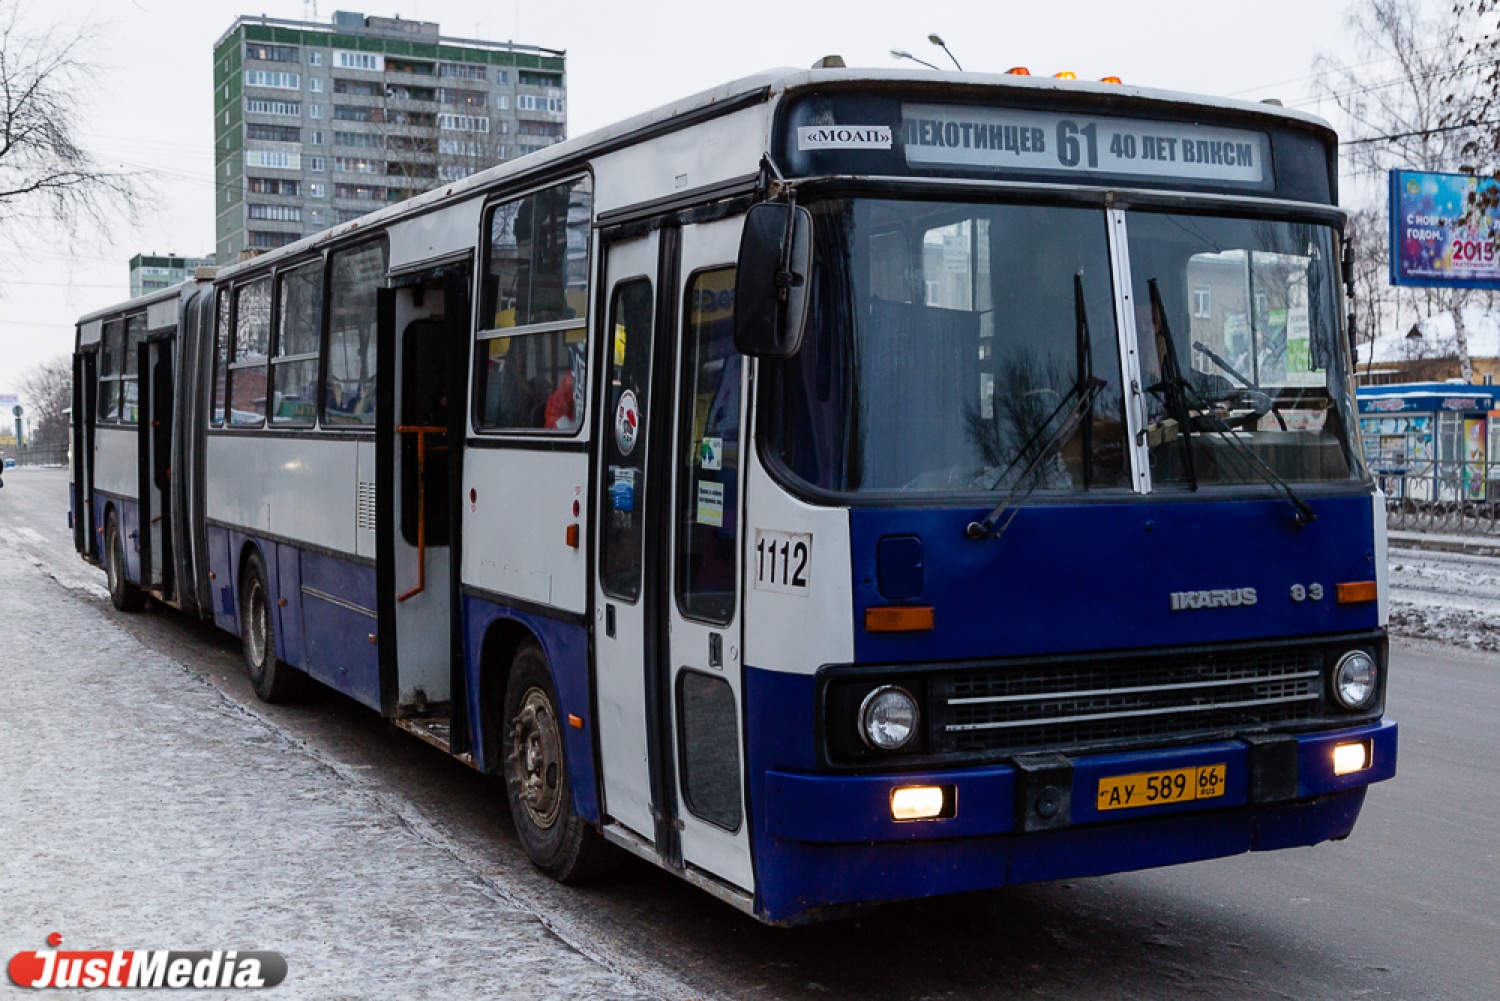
<point x="888" y="718"/>
<point x="1354" y="680"/>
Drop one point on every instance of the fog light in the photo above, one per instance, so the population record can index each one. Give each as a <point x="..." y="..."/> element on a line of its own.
<point x="1354" y="680"/>
<point x="1351" y="757"/>
<point x="888" y="718"/>
<point x="917" y="802"/>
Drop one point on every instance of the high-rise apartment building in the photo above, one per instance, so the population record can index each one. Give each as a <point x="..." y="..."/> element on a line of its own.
<point x="150" y="272"/>
<point x="316" y="124"/>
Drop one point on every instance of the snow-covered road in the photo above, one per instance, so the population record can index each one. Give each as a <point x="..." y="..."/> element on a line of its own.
<point x="1446" y="596"/>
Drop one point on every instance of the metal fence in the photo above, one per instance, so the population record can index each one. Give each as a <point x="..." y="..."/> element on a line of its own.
<point x="1461" y="498"/>
<point x="38" y="455"/>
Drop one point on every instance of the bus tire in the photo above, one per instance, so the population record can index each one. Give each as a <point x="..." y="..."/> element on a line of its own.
<point x="273" y="680"/>
<point x="536" y="776"/>
<point x="122" y="594"/>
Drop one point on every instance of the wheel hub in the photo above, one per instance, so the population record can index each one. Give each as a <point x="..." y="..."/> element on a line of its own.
<point x="536" y="755"/>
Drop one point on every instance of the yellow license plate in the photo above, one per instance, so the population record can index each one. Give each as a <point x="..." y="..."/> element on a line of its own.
<point x="1180" y="785"/>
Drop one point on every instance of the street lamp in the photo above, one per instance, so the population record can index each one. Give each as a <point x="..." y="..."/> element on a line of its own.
<point x="903" y="54"/>
<point x="938" y="41"/>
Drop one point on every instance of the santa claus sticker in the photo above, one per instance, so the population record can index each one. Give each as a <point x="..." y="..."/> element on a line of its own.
<point x="627" y="422"/>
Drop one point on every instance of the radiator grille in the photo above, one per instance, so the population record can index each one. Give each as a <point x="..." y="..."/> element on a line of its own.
<point x="1033" y="706"/>
<point x="364" y="516"/>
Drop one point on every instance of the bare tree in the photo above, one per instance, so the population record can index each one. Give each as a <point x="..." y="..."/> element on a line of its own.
<point x="45" y="174"/>
<point x="1399" y="119"/>
<point x="49" y="390"/>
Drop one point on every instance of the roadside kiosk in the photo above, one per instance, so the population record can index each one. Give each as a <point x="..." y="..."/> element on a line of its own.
<point x="1433" y="441"/>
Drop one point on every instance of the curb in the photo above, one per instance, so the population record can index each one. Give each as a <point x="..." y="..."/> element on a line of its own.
<point x="1468" y="545"/>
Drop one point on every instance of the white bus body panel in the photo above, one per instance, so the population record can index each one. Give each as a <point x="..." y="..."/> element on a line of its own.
<point x="162" y="314"/>
<point x="301" y="489"/>
<point x="434" y="235"/>
<point x="116" y="461"/>
<point x="526" y="557"/>
<point x="797" y="634"/>
<point x="720" y="149"/>
<point x="90" y="333"/>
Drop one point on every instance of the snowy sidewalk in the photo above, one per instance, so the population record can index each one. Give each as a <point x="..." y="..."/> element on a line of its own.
<point x="141" y="808"/>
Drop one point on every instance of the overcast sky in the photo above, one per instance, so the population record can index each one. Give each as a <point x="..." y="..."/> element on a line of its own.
<point x="152" y="109"/>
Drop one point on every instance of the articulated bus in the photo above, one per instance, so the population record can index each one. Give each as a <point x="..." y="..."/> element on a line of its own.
<point x="836" y="487"/>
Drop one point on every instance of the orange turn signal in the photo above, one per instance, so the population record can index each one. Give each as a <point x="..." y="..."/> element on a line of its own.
<point x="1357" y="592"/>
<point x="1018" y="71"/>
<point x="576" y="722"/>
<point x="898" y="619"/>
<point x="573" y="536"/>
<point x="1110" y="79"/>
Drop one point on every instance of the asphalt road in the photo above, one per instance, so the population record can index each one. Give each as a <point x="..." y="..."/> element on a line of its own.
<point x="1408" y="907"/>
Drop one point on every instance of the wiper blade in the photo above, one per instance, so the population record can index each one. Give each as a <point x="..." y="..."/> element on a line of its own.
<point x="1085" y="392"/>
<point x="1083" y="349"/>
<point x="1305" y="514"/>
<point x="1172" y="383"/>
<point x="1208" y="353"/>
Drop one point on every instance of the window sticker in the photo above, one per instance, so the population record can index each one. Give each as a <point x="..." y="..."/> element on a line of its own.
<point x="627" y="422"/>
<point x="711" y="454"/>
<point x="711" y="504"/>
<point x="622" y="490"/>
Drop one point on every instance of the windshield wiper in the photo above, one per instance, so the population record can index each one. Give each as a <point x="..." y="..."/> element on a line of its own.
<point x="1177" y="390"/>
<point x="1208" y="353"/>
<point x="1305" y="513"/>
<point x="1026" y="482"/>
<point x="1080" y="415"/>
<point x="1172" y="382"/>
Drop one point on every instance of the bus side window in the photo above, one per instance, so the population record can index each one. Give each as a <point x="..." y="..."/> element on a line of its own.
<point x="629" y="372"/>
<point x="294" y="364"/>
<point x="111" y="349"/>
<point x="708" y="513"/>
<point x="530" y="365"/>
<point x="130" y="385"/>
<point x="247" y="368"/>
<point x="220" y="360"/>
<point x="349" y="392"/>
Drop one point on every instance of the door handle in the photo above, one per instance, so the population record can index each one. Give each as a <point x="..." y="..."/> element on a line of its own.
<point x="715" y="650"/>
<point x="609" y="620"/>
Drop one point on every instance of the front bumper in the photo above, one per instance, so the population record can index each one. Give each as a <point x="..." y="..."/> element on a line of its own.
<point x="834" y="842"/>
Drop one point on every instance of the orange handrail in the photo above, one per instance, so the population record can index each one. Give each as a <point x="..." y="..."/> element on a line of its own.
<point x="421" y="431"/>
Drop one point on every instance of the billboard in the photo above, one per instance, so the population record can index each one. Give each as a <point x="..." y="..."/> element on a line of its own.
<point x="1439" y="236"/>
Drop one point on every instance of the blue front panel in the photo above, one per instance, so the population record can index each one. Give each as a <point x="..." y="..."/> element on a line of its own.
<point x="824" y="840"/>
<point x="566" y="646"/>
<point x="1077" y="578"/>
<point x="338" y="612"/>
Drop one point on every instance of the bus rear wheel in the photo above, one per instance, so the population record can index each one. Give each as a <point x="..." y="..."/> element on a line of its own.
<point x="536" y="776"/>
<point x="122" y="593"/>
<point x="273" y="680"/>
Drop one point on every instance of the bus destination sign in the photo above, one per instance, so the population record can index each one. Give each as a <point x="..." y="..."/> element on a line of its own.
<point x="1032" y="141"/>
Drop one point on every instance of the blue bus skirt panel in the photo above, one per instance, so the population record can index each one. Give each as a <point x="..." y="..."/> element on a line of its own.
<point x="1072" y="578"/>
<point x="565" y="645"/>
<point x="128" y="517"/>
<point x="826" y="840"/>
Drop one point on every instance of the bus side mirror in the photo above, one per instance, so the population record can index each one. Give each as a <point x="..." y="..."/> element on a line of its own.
<point x="771" y="284"/>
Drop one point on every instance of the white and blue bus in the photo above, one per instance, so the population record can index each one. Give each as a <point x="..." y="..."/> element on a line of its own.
<point x="836" y="487"/>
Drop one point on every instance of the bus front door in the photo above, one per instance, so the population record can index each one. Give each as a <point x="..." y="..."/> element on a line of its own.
<point x="667" y="635"/>
<point x="704" y="607"/>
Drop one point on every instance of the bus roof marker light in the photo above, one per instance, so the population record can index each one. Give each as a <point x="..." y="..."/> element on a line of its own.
<point x="1110" y="79"/>
<point x="1018" y="71"/>
<point x="1065" y="75"/>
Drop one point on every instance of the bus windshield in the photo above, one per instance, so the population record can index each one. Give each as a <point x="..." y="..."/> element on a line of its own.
<point x="1247" y="317"/>
<point x="948" y="345"/>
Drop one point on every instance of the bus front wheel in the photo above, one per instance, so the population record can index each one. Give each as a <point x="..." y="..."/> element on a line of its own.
<point x="122" y="593"/>
<point x="536" y="776"/>
<point x="272" y="680"/>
